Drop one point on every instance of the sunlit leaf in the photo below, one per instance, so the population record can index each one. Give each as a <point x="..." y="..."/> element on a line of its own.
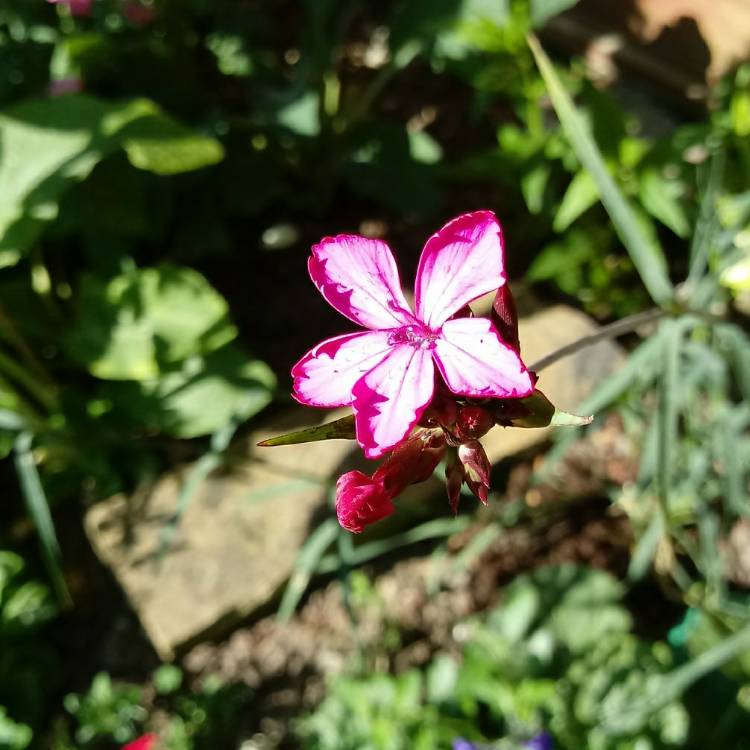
<point x="135" y="325"/>
<point x="581" y="194"/>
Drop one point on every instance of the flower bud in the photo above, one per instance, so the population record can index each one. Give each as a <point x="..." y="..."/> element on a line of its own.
<point x="476" y="467"/>
<point x="361" y="500"/>
<point x="472" y="422"/>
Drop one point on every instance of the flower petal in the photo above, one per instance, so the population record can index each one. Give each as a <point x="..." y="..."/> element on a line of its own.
<point x="460" y="262"/>
<point x="475" y="362"/>
<point x="326" y="375"/>
<point x="359" y="278"/>
<point x="389" y="400"/>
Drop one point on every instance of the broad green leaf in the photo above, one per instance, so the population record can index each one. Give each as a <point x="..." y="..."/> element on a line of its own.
<point x="661" y="196"/>
<point x="581" y="194"/>
<point x="578" y="606"/>
<point x="737" y="276"/>
<point x="157" y="143"/>
<point x="339" y="429"/>
<point x="143" y="321"/>
<point x="424" y="148"/>
<point x="301" y="116"/>
<point x="208" y="392"/>
<point x="46" y="145"/>
<point x="13" y="736"/>
<point x="645" y="253"/>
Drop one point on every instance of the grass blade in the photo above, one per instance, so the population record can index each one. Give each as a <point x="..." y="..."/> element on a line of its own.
<point x="307" y="565"/>
<point x="707" y="221"/>
<point x="434" y="529"/>
<point x="668" y="412"/>
<point x="644" y="251"/>
<point x="38" y="507"/>
<point x="208" y="462"/>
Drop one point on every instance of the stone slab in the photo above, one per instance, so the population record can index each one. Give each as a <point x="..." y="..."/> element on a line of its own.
<point x="236" y="543"/>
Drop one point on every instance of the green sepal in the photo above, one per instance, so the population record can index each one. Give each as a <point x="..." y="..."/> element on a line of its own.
<point x="535" y="410"/>
<point x="339" y="429"/>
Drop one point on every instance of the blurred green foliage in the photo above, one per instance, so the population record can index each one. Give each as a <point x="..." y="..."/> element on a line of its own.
<point x="557" y="655"/>
<point x="26" y="662"/>
<point x="203" y="131"/>
<point x="189" y="717"/>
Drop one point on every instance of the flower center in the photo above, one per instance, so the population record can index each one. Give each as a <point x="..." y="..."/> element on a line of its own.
<point x="417" y="336"/>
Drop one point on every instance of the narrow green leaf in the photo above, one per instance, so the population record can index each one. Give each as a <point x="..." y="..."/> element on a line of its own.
<point x="306" y="565"/>
<point x="38" y="507"/>
<point x="645" y="548"/>
<point x="434" y="529"/>
<point x="581" y="194"/>
<point x="668" y="410"/>
<point x="645" y="253"/>
<point x="533" y="184"/>
<point x="203" y="467"/>
<point x="638" y="365"/>
<point x="339" y="429"/>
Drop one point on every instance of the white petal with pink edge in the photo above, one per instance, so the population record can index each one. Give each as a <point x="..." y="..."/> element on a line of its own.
<point x="474" y="361"/>
<point x="359" y="278"/>
<point x="326" y="375"/>
<point x="459" y="263"/>
<point x="390" y="398"/>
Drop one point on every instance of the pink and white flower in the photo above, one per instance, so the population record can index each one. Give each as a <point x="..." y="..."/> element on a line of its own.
<point x="387" y="372"/>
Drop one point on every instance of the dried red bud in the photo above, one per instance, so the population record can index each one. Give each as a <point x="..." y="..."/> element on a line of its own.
<point x="454" y="478"/>
<point x="472" y="422"/>
<point x="476" y="467"/>
<point x="413" y="461"/>
<point x="505" y="317"/>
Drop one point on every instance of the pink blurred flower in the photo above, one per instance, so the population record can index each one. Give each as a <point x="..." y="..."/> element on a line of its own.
<point x="64" y="86"/>
<point x="145" y="742"/>
<point x="387" y="373"/>
<point x="78" y="8"/>
<point x="137" y="14"/>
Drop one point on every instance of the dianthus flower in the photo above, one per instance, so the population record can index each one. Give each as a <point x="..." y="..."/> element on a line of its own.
<point x="387" y="373"/>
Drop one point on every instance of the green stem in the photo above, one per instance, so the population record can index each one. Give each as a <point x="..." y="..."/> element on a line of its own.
<point x="611" y="331"/>
<point x="19" y="343"/>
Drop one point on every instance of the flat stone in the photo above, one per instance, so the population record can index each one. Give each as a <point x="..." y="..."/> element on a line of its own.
<point x="236" y="542"/>
<point x="239" y="537"/>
